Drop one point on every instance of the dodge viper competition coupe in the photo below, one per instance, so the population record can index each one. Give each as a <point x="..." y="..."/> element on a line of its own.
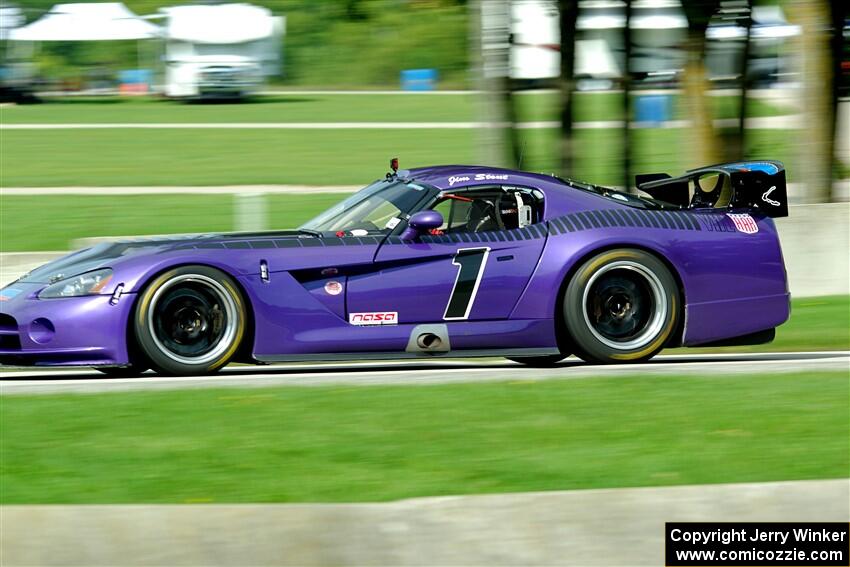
<point x="436" y="261"/>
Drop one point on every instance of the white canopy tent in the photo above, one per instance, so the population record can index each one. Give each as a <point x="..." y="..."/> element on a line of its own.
<point x="220" y="48"/>
<point x="10" y="18"/>
<point x="109" y="21"/>
<point x="219" y="23"/>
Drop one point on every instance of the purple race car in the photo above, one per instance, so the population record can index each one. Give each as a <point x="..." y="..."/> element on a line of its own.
<point x="435" y="261"/>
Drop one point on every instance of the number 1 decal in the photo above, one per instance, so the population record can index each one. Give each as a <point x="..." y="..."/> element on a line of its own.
<point x="470" y="262"/>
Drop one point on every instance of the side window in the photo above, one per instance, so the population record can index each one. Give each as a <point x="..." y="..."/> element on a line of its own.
<point x="488" y="209"/>
<point x="455" y="213"/>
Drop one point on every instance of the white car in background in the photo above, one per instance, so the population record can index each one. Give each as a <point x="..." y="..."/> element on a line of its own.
<point x="224" y="50"/>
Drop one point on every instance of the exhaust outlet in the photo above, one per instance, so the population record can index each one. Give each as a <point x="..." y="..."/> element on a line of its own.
<point x="428" y="341"/>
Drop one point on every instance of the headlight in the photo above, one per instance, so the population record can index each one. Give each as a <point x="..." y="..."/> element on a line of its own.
<point x="90" y="283"/>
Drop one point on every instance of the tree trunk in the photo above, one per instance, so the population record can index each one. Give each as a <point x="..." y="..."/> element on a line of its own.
<point x="840" y="12"/>
<point x="733" y="142"/>
<point x="568" y="16"/>
<point x="627" y="100"/>
<point x="489" y="37"/>
<point x="816" y="144"/>
<point x="514" y="141"/>
<point x="745" y="85"/>
<point x="703" y="146"/>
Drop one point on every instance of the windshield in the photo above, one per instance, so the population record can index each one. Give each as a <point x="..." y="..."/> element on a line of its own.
<point x="376" y="209"/>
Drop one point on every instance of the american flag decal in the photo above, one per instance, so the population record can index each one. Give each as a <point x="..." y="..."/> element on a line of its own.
<point x="744" y="223"/>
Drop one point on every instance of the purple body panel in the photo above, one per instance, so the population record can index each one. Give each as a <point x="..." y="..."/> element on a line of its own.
<point x="723" y="273"/>
<point x="733" y="283"/>
<point x="87" y="330"/>
<point x="420" y="291"/>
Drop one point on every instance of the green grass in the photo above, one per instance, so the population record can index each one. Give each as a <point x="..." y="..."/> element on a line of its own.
<point x="531" y="106"/>
<point x="32" y="158"/>
<point x="377" y="443"/>
<point x="34" y="223"/>
<point x="288" y="108"/>
<point x="816" y="323"/>
<point x="598" y="152"/>
<point x="588" y="106"/>
<point x="219" y="157"/>
<point x="224" y="157"/>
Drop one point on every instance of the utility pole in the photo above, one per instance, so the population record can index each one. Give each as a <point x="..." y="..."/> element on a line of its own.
<point x="490" y="28"/>
<point x="568" y="17"/>
<point x="815" y="159"/>
<point x="627" y="100"/>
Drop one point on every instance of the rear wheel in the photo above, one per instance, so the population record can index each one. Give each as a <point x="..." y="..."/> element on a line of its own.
<point x="621" y="306"/>
<point x="190" y="320"/>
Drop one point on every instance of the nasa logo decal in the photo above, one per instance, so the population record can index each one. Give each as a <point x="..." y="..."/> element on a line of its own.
<point x="374" y="318"/>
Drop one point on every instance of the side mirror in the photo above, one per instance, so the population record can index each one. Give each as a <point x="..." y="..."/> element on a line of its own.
<point x="420" y="223"/>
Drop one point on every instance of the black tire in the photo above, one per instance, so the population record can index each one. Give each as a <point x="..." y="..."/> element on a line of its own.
<point x="131" y="371"/>
<point x="621" y="306"/>
<point x="538" y="361"/>
<point x="190" y="321"/>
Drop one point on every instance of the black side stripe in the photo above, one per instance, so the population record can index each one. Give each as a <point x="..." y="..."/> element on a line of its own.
<point x="614" y="218"/>
<point x="648" y="219"/>
<point x="653" y="219"/>
<point x="666" y="220"/>
<point x="623" y="215"/>
<point x="609" y="217"/>
<point x="693" y="220"/>
<point x="597" y="219"/>
<point x="679" y="222"/>
<point x="585" y="222"/>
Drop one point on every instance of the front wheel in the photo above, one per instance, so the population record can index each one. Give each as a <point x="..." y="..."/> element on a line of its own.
<point x="621" y="306"/>
<point x="190" y="320"/>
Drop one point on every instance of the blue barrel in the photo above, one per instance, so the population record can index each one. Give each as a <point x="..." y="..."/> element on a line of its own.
<point x="419" y="79"/>
<point x="135" y="76"/>
<point x="652" y="109"/>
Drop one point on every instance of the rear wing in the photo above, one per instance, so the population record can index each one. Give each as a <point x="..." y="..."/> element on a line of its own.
<point x="740" y="185"/>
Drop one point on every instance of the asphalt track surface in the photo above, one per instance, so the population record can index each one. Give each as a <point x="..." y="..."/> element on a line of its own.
<point x="420" y="372"/>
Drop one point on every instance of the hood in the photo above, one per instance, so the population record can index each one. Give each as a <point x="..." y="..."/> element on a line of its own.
<point x="108" y="254"/>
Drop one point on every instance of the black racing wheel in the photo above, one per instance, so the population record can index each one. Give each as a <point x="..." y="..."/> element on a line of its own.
<point x="190" y="320"/>
<point x="621" y="306"/>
